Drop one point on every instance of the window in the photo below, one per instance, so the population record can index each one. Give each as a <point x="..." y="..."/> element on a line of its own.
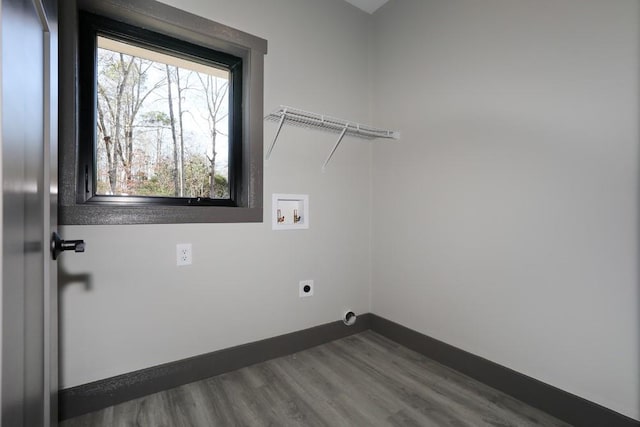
<point x="160" y="118"/>
<point x="167" y="131"/>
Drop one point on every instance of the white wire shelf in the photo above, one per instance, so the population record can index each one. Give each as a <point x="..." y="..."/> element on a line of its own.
<point x="296" y="117"/>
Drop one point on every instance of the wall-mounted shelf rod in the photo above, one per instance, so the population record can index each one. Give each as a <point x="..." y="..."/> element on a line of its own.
<point x="335" y="147"/>
<point x="275" y="137"/>
<point x="296" y="117"/>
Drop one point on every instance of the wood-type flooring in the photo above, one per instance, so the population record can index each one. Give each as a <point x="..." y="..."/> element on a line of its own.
<point x="362" y="380"/>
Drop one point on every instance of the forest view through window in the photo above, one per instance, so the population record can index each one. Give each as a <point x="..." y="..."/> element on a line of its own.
<point x="162" y="124"/>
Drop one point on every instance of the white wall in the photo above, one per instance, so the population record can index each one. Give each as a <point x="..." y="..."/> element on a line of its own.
<point x="140" y="310"/>
<point x="505" y="220"/>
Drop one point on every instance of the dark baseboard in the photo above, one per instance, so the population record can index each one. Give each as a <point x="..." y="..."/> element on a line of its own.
<point x="561" y="404"/>
<point x="97" y="395"/>
<point x="575" y="410"/>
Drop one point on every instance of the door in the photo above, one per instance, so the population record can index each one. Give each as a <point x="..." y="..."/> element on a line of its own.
<point x="28" y="113"/>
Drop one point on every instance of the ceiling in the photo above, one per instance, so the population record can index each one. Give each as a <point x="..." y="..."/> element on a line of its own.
<point x="368" y="6"/>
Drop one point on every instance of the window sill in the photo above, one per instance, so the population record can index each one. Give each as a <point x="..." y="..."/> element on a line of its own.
<point x="120" y="215"/>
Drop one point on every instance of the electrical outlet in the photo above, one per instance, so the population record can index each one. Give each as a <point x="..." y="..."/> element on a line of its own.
<point x="183" y="254"/>
<point x="306" y="288"/>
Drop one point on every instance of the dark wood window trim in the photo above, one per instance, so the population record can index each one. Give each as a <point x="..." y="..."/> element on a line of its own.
<point x="151" y="17"/>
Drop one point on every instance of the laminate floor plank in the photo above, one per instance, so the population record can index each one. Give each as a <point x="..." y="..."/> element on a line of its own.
<point x="382" y="391"/>
<point x="339" y="397"/>
<point x="247" y="405"/>
<point x="224" y="410"/>
<point x="154" y="410"/>
<point x="281" y="395"/>
<point x="328" y="400"/>
<point x="360" y="389"/>
<point x="451" y="388"/>
<point x="430" y="402"/>
<point x="360" y="380"/>
<point x="449" y="381"/>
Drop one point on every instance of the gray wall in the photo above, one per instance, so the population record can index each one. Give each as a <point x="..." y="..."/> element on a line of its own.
<point x="506" y="220"/>
<point x="138" y="309"/>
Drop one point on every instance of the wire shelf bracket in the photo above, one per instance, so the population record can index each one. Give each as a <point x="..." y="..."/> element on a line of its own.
<point x="296" y="117"/>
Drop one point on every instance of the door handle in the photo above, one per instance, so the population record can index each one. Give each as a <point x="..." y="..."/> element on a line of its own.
<point x="58" y="245"/>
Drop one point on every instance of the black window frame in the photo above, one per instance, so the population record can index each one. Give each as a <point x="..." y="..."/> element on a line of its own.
<point x="159" y="18"/>
<point x="91" y="27"/>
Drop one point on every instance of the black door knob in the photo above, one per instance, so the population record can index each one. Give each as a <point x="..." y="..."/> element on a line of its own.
<point x="58" y="245"/>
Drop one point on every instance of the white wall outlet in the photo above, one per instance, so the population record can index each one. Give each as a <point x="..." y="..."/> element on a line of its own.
<point x="183" y="254"/>
<point x="306" y="288"/>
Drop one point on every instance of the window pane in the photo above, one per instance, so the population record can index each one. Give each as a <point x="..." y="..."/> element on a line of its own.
<point x="162" y="124"/>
